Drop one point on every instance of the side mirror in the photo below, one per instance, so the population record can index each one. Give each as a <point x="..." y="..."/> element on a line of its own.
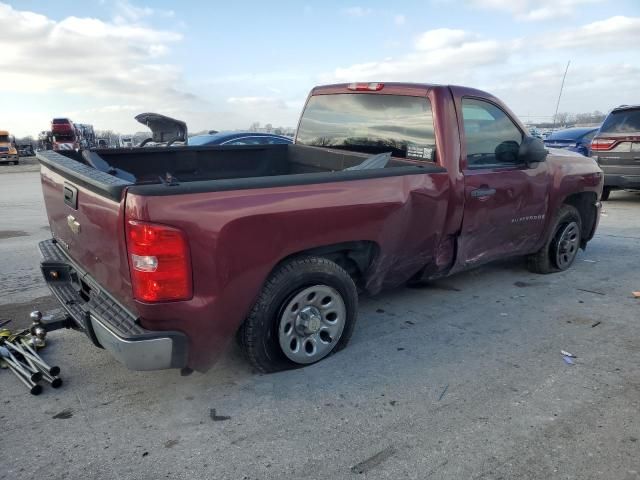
<point x="532" y="150"/>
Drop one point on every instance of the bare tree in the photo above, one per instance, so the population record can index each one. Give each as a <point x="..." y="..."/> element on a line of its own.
<point x="562" y="118"/>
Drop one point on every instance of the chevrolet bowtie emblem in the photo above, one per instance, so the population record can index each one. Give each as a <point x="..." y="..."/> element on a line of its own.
<point x="74" y="225"/>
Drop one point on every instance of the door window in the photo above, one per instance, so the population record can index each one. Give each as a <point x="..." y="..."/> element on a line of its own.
<point x="491" y="138"/>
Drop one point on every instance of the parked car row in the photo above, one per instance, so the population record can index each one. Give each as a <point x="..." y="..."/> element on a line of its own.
<point x="574" y="139"/>
<point x="615" y="146"/>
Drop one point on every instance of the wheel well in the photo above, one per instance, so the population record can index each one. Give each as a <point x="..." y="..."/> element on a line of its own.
<point x="584" y="202"/>
<point x="355" y="257"/>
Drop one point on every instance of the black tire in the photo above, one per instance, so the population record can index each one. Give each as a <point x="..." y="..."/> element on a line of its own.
<point x="606" y="191"/>
<point x="547" y="260"/>
<point x="258" y="335"/>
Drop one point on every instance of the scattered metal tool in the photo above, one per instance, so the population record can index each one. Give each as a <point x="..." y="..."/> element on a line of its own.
<point x="19" y="353"/>
<point x="34" y="388"/>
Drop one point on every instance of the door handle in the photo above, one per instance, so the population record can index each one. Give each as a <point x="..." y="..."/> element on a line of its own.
<point x="483" y="192"/>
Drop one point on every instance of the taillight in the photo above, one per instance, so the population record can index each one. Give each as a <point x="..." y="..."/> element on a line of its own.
<point x="366" y="87"/>
<point x="159" y="262"/>
<point x="602" y="143"/>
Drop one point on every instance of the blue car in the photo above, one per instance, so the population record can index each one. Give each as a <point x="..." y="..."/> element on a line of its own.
<point x="575" y="139"/>
<point x="238" y="138"/>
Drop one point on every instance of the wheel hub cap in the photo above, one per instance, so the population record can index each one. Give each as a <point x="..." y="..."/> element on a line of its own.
<point x="568" y="245"/>
<point x="309" y="320"/>
<point x="311" y="324"/>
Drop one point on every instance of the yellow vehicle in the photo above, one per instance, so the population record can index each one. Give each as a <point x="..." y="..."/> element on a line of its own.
<point x="8" y="152"/>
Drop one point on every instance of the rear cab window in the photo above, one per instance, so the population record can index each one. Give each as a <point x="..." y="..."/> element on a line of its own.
<point x="370" y="123"/>
<point x="622" y="121"/>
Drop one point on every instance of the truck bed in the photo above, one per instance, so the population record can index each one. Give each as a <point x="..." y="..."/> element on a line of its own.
<point x="197" y="169"/>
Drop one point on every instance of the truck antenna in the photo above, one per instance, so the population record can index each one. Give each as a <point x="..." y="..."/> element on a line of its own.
<point x="555" y="116"/>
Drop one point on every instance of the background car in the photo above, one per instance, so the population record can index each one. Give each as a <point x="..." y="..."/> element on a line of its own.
<point x="238" y="138"/>
<point x="26" y="150"/>
<point x="575" y="139"/>
<point x="616" y="148"/>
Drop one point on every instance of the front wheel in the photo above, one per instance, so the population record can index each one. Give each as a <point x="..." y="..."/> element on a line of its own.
<point x="305" y="312"/>
<point x="561" y="249"/>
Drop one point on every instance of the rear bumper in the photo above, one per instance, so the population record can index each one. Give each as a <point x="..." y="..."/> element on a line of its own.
<point x="596" y="222"/>
<point x="107" y="323"/>
<point x="619" y="176"/>
<point x="621" y="181"/>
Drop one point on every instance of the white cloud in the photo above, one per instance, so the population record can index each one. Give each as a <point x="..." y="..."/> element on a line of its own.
<point x="437" y="56"/>
<point x="128" y="12"/>
<point x="260" y="102"/>
<point x="516" y="70"/>
<point x="357" y="11"/>
<point x="613" y="33"/>
<point x="400" y="19"/>
<point x="120" y="63"/>
<point x="442" y="38"/>
<point x="533" y="10"/>
<point x="587" y="88"/>
<point x="115" y="108"/>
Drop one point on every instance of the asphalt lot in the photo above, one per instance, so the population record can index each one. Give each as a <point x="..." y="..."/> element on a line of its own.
<point x="460" y="380"/>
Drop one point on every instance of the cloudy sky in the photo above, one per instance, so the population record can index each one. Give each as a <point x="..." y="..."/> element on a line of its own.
<point x="223" y="65"/>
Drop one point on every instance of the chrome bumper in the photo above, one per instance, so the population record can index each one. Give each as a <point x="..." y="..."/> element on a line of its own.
<point x="152" y="353"/>
<point x="107" y="323"/>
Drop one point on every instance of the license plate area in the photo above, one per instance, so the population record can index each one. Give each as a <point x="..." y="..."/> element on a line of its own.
<point x="64" y="273"/>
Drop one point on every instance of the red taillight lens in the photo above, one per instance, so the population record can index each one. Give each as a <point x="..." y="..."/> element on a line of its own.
<point x="159" y="262"/>
<point x="366" y="87"/>
<point x="602" y="143"/>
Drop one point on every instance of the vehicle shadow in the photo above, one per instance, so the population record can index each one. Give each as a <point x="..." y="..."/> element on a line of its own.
<point x="620" y="196"/>
<point x="418" y="330"/>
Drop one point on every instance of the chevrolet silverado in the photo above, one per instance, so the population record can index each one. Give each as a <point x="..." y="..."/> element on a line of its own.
<point x="163" y="255"/>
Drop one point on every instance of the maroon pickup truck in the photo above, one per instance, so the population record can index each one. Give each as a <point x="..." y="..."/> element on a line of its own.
<point x="163" y="255"/>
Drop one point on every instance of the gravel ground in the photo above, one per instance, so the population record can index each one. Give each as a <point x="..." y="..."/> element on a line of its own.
<point x="462" y="379"/>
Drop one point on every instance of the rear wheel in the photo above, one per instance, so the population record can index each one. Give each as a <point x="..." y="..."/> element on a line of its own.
<point x="606" y="191"/>
<point x="305" y="312"/>
<point x="561" y="249"/>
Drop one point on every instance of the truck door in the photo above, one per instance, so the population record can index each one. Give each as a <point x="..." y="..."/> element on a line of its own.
<point x="505" y="200"/>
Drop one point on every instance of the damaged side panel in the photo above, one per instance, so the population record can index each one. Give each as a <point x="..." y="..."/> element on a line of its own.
<point x="403" y="216"/>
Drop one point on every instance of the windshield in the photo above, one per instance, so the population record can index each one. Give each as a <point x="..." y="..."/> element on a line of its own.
<point x="370" y="123"/>
<point x="622" y="121"/>
<point x="201" y="139"/>
<point x="4" y="138"/>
